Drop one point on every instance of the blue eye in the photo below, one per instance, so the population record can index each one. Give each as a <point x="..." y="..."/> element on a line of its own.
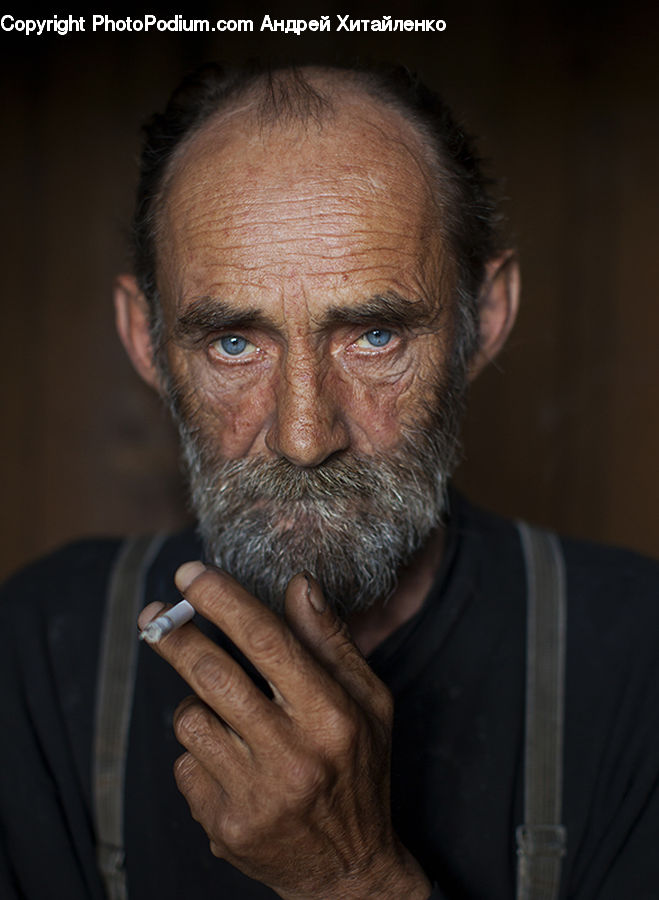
<point x="378" y="337"/>
<point x="233" y="344"/>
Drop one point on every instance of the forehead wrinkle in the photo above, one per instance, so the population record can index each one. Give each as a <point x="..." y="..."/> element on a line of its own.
<point x="406" y="227"/>
<point x="241" y="212"/>
<point x="345" y="238"/>
<point x="215" y="138"/>
<point x="336" y="267"/>
<point x="312" y="240"/>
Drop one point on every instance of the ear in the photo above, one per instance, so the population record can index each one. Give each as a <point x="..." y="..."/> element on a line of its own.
<point x="132" y="321"/>
<point x="498" y="305"/>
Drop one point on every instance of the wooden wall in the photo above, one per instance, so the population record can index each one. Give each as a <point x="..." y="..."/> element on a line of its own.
<point x="563" y="430"/>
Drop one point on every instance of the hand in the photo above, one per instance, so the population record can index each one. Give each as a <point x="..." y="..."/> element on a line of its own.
<point x="294" y="791"/>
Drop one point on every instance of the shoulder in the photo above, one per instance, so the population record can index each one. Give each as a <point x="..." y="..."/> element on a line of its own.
<point x="610" y="572"/>
<point x="592" y="568"/>
<point x="613" y="619"/>
<point x="80" y="558"/>
<point x="73" y="574"/>
<point x="73" y="580"/>
<point x="608" y="585"/>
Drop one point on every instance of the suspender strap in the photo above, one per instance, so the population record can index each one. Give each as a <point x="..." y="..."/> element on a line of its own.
<point x="541" y="839"/>
<point x="114" y="700"/>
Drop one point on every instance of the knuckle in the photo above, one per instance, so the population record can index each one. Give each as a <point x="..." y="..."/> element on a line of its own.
<point x="184" y="772"/>
<point x="217" y="849"/>
<point x="191" y="720"/>
<point x="383" y="704"/>
<point x="237" y="834"/>
<point x="211" y="676"/>
<point x="343" y="647"/>
<point x="268" y="643"/>
<point x="338" y="629"/>
<point x="342" y="729"/>
<point x="307" y="775"/>
<point x="203" y="795"/>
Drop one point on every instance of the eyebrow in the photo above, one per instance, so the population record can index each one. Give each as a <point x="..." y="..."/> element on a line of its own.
<point x="390" y="308"/>
<point x="211" y="314"/>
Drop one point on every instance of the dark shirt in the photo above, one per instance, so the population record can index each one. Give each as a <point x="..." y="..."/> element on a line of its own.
<point x="456" y="670"/>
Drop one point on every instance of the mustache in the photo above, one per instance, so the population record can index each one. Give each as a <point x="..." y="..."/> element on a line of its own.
<point x="281" y="480"/>
<point x="403" y="476"/>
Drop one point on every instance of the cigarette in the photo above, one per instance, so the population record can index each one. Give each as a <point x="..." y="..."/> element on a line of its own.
<point x="175" y="617"/>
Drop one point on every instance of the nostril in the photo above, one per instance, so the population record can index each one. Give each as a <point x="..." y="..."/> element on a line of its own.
<point x="306" y="442"/>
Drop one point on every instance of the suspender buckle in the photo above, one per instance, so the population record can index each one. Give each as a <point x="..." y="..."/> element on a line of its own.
<point x="541" y="840"/>
<point x="110" y="859"/>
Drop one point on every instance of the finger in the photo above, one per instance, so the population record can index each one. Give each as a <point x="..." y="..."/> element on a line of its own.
<point x="219" y="681"/>
<point x="212" y="742"/>
<point x="262" y="635"/>
<point x="204" y="795"/>
<point x="185" y="574"/>
<point x="328" y="638"/>
<point x="150" y="612"/>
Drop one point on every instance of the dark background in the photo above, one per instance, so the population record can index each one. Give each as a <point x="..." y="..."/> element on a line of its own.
<point x="563" y="430"/>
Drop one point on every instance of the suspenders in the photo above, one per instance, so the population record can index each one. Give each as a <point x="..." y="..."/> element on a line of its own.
<point x="540" y="840"/>
<point x="114" y="701"/>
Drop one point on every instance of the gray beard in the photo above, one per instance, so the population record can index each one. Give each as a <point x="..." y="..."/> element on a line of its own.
<point x="351" y="522"/>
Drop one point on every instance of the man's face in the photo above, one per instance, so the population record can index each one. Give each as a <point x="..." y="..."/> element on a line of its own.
<point x="306" y="308"/>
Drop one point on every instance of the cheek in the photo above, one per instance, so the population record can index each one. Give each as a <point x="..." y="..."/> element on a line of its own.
<point x="230" y="413"/>
<point x="382" y="410"/>
<point x="378" y="413"/>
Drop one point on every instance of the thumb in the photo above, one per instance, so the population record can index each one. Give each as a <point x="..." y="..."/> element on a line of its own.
<point x="326" y="636"/>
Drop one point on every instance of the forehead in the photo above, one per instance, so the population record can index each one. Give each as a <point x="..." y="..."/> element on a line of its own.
<point x="334" y="206"/>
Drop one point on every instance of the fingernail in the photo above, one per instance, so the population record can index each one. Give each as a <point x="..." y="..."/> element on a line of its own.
<point x="314" y="593"/>
<point x="149" y="613"/>
<point x="187" y="573"/>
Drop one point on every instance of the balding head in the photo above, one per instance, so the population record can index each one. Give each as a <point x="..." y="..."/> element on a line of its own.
<point x="311" y="99"/>
<point x="304" y="202"/>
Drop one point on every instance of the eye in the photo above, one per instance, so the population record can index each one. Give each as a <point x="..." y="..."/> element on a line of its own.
<point x="376" y="337"/>
<point x="233" y="345"/>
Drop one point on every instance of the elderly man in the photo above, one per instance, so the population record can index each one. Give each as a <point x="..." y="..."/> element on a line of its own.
<point x="317" y="280"/>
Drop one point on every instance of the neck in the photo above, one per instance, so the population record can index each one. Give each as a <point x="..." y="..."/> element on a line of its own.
<point x="371" y="627"/>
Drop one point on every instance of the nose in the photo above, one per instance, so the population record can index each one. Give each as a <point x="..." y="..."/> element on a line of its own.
<point x="308" y="425"/>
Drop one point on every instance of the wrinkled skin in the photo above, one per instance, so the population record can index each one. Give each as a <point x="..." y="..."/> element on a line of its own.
<point x="293" y="791"/>
<point x="287" y="239"/>
<point x="276" y="251"/>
